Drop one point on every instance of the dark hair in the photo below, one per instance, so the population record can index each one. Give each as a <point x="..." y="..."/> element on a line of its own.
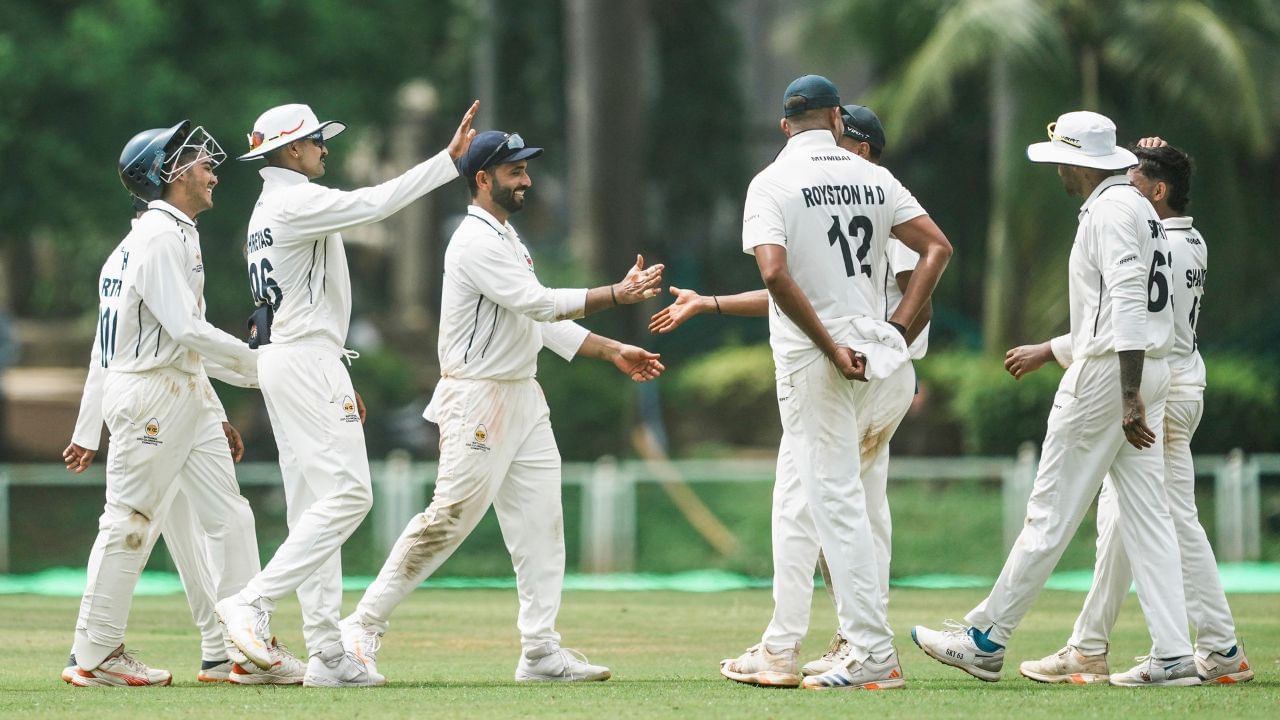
<point x="1171" y="166"/>
<point x="805" y="118"/>
<point x="472" y="185"/>
<point x="874" y="154"/>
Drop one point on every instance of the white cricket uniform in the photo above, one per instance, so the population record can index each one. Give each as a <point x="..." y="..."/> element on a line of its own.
<point x="1119" y="297"/>
<point x="1207" y="607"/>
<point x="795" y="539"/>
<point x="298" y="264"/>
<point x="496" y="444"/>
<point x="832" y="211"/>
<point x="148" y="384"/>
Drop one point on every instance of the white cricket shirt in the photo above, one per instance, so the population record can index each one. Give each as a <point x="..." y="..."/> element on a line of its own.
<point x="833" y="212"/>
<point x="494" y="314"/>
<point x="1190" y="266"/>
<point x="151" y="313"/>
<point x="899" y="259"/>
<point x="297" y="261"/>
<point x="1119" y="275"/>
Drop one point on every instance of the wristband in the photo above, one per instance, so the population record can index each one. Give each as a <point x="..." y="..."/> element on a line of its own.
<point x="612" y="295"/>
<point x="717" y="301"/>
<point x="899" y="327"/>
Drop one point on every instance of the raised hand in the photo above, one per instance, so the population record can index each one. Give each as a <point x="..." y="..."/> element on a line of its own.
<point x="77" y="458"/>
<point x="688" y="303"/>
<point x="639" y="284"/>
<point x="637" y="363"/>
<point x="463" y="135"/>
<point x="1152" y="142"/>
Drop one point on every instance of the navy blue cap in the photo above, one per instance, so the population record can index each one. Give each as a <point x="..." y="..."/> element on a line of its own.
<point x="817" y="91"/>
<point x="494" y="147"/>
<point x="861" y="124"/>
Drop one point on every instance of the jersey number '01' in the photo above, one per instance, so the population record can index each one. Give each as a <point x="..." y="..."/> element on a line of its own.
<point x="1158" y="282"/>
<point x="264" y="287"/>
<point x="858" y="225"/>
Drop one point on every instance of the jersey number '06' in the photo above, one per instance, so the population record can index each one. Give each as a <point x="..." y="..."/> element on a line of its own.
<point x="859" y="227"/>
<point x="264" y="287"/>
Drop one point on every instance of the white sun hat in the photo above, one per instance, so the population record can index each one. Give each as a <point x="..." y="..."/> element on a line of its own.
<point x="1082" y="138"/>
<point x="284" y="124"/>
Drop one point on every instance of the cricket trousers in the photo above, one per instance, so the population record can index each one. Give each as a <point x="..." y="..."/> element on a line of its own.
<point x="819" y="410"/>
<point x="185" y="541"/>
<point x="1207" y="607"/>
<point x="496" y="448"/>
<point x="327" y="487"/>
<point x="1084" y="441"/>
<point x="164" y="438"/>
<point x="795" y="537"/>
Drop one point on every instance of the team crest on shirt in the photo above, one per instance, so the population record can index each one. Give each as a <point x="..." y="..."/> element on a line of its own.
<point x="480" y="438"/>
<point x="349" y="413"/>
<point x="530" y="261"/>
<point x="151" y="433"/>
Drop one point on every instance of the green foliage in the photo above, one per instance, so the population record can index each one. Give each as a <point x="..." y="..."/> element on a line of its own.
<point x="723" y="397"/>
<point x="1241" y="406"/>
<point x="589" y="403"/>
<point x="384" y="380"/>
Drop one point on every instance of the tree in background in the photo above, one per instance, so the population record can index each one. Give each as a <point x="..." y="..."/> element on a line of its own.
<point x="1199" y="72"/>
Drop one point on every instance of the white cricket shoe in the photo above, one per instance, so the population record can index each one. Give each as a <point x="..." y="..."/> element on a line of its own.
<point x="249" y="627"/>
<point x="1068" y="665"/>
<point x="1225" y="668"/>
<point x="286" y="669"/>
<point x="869" y="674"/>
<point x="836" y="654"/>
<point x="69" y="669"/>
<point x="362" y="641"/>
<point x="1155" y="672"/>
<point x="956" y="647"/>
<point x="212" y="671"/>
<point x="551" y="663"/>
<point x="120" y="669"/>
<point x="758" y="666"/>
<point x="335" y="668"/>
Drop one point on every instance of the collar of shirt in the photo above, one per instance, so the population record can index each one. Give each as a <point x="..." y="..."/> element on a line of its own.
<point x="177" y="214"/>
<point x="503" y="229"/>
<point x="281" y="177"/>
<point x="809" y="139"/>
<point x="1181" y="222"/>
<point x="1111" y="181"/>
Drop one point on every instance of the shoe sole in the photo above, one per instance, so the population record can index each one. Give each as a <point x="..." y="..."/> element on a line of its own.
<point x="1073" y="678"/>
<point x="211" y="679"/>
<point x="886" y="684"/>
<point x="983" y="675"/>
<point x="259" y="680"/>
<point x="1232" y="679"/>
<point x="547" y="678"/>
<point x="767" y="678"/>
<point x="81" y="681"/>
<point x="1180" y="682"/>
<point x="337" y="684"/>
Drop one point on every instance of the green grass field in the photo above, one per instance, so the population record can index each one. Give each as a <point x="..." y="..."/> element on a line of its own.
<point x="452" y="654"/>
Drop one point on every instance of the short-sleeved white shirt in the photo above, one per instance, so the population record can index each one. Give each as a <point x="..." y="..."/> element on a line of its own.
<point x="833" y="212"/>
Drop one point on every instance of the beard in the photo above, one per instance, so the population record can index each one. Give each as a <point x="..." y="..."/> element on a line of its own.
<point x="504" y="196"/>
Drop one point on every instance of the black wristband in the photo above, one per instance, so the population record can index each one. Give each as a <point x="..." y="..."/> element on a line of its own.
<point x="612" y="295"/>
<point x="897" y="326"/>
<point x="717" y="301"/>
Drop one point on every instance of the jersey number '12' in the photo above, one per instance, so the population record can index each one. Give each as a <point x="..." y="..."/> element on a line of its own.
<point x="264" y="287"/>
<point x="860" y="225"/>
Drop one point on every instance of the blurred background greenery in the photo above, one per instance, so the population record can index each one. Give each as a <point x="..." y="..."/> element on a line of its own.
<point x="655" y="114"/>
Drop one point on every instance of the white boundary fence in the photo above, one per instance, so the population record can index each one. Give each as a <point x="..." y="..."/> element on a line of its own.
<point x="608" y="502"/>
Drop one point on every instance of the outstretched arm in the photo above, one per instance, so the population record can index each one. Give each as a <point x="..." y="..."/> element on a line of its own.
<point x="754" y="303"/>
<point x="640" y="283"/>
<point x="636" y="363"/>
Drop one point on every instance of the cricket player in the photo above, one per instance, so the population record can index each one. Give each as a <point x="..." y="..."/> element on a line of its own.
<point x="183" y="537"/>
<point x="496" y="444"/>
<point x="1163" y="175"/>
<point x="817" y="220"/>
<point x="795" y="540"/>
<point x="298" y="272"/>
<point x="166" y="434"/>
<point x="1121" y="334"/>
